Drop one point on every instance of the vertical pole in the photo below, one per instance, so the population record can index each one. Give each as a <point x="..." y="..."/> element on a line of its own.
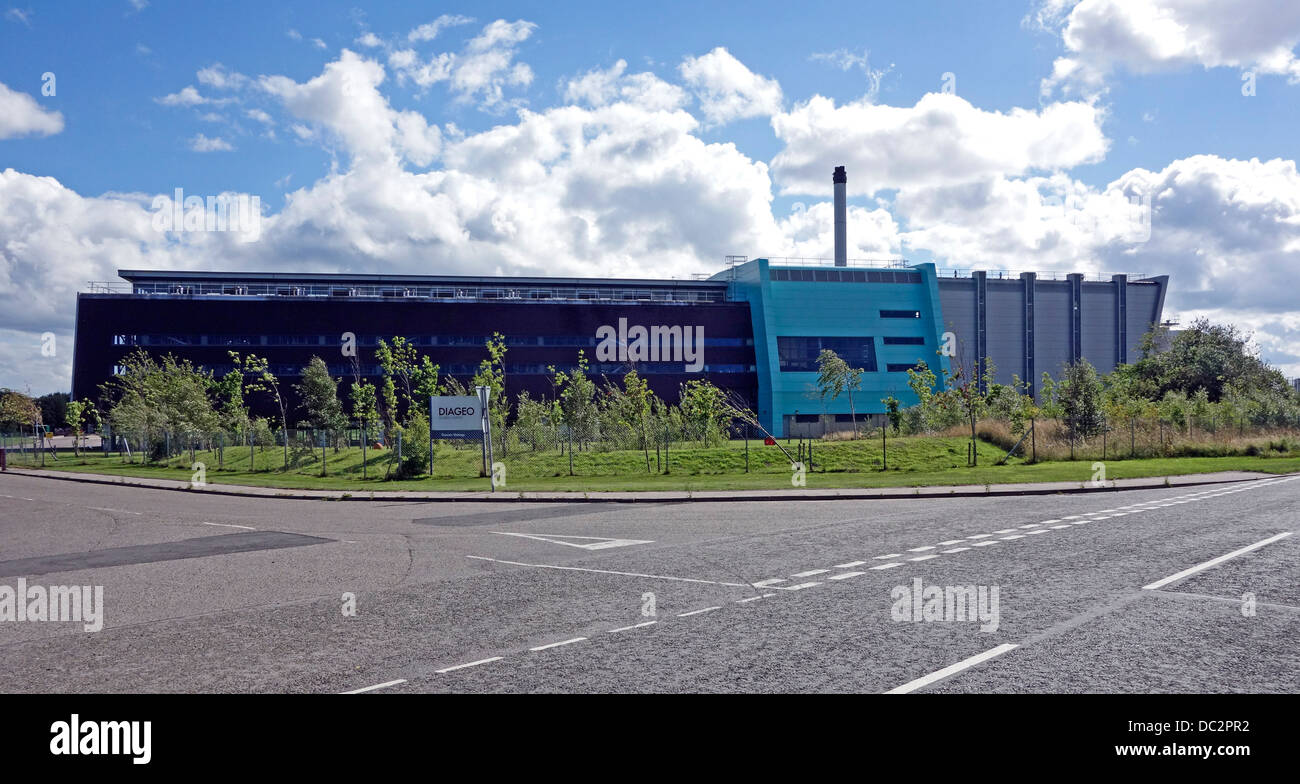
<point x="430" y="436"/>
<point x="747" y="448"/>
<point x="570" y="441"/>
<point x="884" y="451"/>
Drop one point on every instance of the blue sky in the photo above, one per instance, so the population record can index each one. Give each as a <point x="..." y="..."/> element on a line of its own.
<point x="506" y="137"/>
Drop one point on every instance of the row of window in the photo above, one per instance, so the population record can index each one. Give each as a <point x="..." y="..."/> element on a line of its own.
<point x="846" y="276"/>
<point x="369" y="370"/>
<point x="430" y="292"/>
<point x="373" y="340"/>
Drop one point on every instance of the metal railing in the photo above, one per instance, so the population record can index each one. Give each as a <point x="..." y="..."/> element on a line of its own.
<point x="490" y="293"/>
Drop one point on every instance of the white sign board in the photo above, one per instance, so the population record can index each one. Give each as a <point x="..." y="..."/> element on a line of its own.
<point x="456" y="417"/>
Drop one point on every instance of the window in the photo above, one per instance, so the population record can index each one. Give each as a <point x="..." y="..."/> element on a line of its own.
<point x="897" y="341"/>
<point x="799" y="354"/>
<point x="900" y="314"/>
<point x="899" y="368"/>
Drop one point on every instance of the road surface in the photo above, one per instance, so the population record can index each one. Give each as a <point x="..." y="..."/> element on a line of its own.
<point x="1174" y="590"/>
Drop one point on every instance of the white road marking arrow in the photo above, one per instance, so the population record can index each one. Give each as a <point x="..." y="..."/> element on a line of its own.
<point x="591" y="543"/>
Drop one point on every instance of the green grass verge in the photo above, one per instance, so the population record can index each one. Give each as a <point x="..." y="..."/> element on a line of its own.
<point x="913" y="462"/>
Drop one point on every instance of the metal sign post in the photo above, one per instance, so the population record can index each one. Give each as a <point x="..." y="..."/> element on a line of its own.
<point x="485" y="398"/>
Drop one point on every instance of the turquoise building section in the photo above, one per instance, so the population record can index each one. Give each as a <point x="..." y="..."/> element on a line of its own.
<point x="881" y="320"/>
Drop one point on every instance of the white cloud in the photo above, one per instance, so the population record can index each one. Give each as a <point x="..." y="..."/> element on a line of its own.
<point x="1226" y="231"/>
<point x="190" y="96"/>
<point x="480" y="72"/>
<point x="369" y="40"/>
<point x="847" y="60"/>
<point x="619" y="183"/>
<point x="728" y="90"/>
<point x="21" y="115"/>
<point x="346" y="101"/>
<point x="599" y="87"/>
<point x="20" y="16"/>
<point x="218" y="77"/>
<point x="201" y="143"/>
<point x="429" y="31"/>
<point x="943" y="139"/>
<point x="1150" y="36"/>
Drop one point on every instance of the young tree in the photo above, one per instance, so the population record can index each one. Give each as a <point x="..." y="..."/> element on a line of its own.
<point x="363" y="410"/>
<point x="576" y="399"/>
<point x="77" y="416"/>
<point x="1080" y="394"/>
<point x="969" y="394"/>
<point x="320" y="398"/>
<point x="704" y="408"/>
<point x="835" y="377"/>
<point x="264" y="381"/>
<point x="492" y="374"/>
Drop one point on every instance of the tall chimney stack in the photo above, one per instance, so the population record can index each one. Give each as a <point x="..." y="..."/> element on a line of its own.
<point x="841" y="219"/>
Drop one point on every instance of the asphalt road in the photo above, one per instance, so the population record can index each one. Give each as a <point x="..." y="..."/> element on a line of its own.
<point x="224" y="594"/>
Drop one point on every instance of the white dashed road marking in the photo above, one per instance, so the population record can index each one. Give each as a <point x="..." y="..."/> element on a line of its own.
<point x="952" y="669"/>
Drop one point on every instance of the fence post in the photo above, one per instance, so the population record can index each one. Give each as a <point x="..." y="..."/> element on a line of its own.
<point x="747" y="448"/>
<point x="570" y="451"/>
<point x="668" y="439"/>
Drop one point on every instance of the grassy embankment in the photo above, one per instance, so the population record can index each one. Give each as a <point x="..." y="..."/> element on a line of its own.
<point x="913" y="461"/>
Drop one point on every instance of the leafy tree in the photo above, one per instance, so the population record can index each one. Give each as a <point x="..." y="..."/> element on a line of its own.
<point x="492" y="374"/>
<point x="1080" y="394"/>
<point x="835" y="377"/>
<point x="54" y="407"/>
<point x="77" y="416"/>
<point x="532" y="420"/>
<point x="894" y="412"/>
<point x="576" y="398"/>
<point x="153" y="398"/>
<point x="320" y="398"/>
<point x="362" y="395"/>
<point x="18" y="412"/>
<point x="704" y="409"/>
<point x="1203" y="355"/>
<point x="259" y="369"/>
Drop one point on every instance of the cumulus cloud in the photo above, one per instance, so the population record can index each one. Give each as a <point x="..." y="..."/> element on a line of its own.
<point x="218" y="77"/>
<point x="1148" y="36"/>
<point x="429" y="31"/>
<point x="1226" y="231"/>
<point x="599" y="87"/>
<point x="943" y="139"/>
<point x="481" y="71"/>
<point x="201" y="143"/>
<point x="618" y="182"/>
<point x="190" y="96"/>
<point x="728" y="90"/>
<point x="20" y="115"/>
<point x="345" y="101"/>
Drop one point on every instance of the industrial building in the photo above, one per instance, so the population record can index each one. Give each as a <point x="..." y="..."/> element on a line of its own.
<point x="762" y="322"/>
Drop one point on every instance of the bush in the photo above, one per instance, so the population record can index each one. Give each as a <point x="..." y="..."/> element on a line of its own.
<point x="415" y="447"/>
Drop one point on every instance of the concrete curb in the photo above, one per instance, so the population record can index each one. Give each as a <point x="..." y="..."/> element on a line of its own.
<point x="662" y="496"/>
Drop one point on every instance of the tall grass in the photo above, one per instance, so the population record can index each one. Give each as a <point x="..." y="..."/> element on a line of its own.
<point x="1142" y="439"/>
